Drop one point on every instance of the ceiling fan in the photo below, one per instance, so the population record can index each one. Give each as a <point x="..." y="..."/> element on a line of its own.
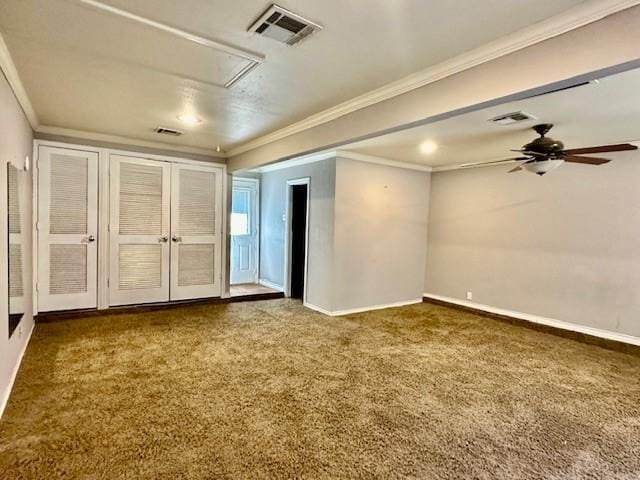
<point x="545" y="154"/>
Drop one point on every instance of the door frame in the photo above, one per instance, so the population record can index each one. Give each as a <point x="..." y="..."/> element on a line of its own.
<point x="257" y="222"/>
<point x="287" y="237"/>
<point x="104" y="154"/>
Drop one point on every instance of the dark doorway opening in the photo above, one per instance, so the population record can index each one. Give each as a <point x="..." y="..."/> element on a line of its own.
<point x="298" y="239"/>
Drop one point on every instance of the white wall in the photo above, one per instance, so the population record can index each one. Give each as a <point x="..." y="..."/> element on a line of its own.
<point x="563" y="246"/>
<point x="321" y="219"/>
<point x="380" y="226"/>
<point x="17" y="142"/>
<point x="368" y="225"/>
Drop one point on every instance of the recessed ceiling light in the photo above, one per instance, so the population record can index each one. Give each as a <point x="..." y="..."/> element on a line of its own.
<point x="189" y="119"/>
<point x="428" y="147"/>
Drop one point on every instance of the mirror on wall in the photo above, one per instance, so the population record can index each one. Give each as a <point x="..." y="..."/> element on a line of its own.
<point x="16" y="248"/>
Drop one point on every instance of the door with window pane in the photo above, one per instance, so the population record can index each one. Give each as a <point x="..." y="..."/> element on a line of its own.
<point x="196" y="238"/>
<point x="140" y="194"/>
<point x="67" y="229"/>
<point x="244" y="231"/>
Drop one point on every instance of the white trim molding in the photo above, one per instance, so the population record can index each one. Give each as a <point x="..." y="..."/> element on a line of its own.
<point x="361" y="157"/>
<point x="266" y="283"/>
<point x="583" y="14"/>
<point x="128" y="141"/>
<point x="327" y="154"/>
<point x="550" y="322"/>
<point x="339" y="313"/>
<point x="10" y="71"/>
<point x="7" y="393"/>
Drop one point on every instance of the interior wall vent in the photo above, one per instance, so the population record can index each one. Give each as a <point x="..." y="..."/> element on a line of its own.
<point x="168" y="131"/>
<point x="284" y="26"/>
<point x="511" y="118"/>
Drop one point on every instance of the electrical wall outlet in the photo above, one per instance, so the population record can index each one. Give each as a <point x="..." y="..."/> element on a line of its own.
<point x="469" y="295"/>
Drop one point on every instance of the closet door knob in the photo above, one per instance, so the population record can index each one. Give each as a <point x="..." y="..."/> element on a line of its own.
<point x="89" y="239"/>
<point x="164" y="239"/>
<point x="176" y="239"/>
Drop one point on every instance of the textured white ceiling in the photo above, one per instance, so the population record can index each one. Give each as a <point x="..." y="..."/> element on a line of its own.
<point x="87" y="70"/>
<point x="595" y="114"/>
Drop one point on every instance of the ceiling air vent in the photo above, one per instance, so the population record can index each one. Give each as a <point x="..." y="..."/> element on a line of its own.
<point x="511" y="118"/>
<point x="168" y="131"/>
<point x="284" y="26"/>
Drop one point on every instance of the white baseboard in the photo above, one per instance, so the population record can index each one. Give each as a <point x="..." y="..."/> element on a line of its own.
<point x="551" y="322"/>
<point x="7" y="393"/>
<point x="339" y="313"/>
<point x="267" y="283"/>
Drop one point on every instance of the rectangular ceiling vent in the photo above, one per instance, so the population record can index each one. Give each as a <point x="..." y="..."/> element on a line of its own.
<point x="168" y="131"/>
<point x="511" y="118"/>
<point x="284" y="26"/>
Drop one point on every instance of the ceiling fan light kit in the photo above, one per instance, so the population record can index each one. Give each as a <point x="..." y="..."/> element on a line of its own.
<point x="542" y="167"/>
<point x="545" y="154"/>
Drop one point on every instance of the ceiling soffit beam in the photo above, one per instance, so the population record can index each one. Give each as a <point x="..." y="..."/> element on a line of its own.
<point x="12" y="76"/>
<point x="583" y="14"/>
<point x="569" y="58"/>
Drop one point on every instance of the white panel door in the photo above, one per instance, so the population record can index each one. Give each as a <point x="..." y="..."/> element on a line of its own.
<point x="67" y="229"/>
<point x="196" y="231"/>
<point x="244" y="231"/>
<point x="140" y="192"/>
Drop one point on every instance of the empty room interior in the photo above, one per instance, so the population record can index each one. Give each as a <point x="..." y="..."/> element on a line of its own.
<point x="321" y="240"/>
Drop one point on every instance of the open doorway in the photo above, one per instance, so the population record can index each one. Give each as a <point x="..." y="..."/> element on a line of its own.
<point x="297" y="238"/>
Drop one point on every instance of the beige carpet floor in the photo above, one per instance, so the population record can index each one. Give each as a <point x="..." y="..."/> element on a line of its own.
<point x="272" y="390"/>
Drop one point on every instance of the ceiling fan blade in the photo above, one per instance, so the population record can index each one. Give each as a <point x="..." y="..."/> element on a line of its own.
<point x="621" y="147"/>
<point x="587" y="160"/>
<point x="494" y="162"/>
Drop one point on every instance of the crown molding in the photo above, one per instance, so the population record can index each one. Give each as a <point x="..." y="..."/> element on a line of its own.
<point x="11" y="73"/>
<point x="327" y="154"/>
<point x="583" y="14"/>
<point x="296" y="162"/>
<point x="101" y="137"/>
<point x="361" y="157"/>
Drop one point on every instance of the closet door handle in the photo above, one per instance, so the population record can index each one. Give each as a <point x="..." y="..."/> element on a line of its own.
<point x="176" y="239"/>
<point x="89" y="239"/>
<point x="164" y="239"/>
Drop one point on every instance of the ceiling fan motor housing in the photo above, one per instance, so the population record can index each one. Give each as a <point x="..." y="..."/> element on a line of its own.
<point x="544" y="145"/>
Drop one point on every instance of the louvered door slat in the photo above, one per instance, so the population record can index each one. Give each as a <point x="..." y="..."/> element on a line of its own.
<point x="197" y="202"/>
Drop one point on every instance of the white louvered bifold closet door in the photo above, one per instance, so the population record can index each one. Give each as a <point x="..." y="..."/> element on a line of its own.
<point x="196" y="238"/>
<point x="140" y="192"/>
<point x="16" y="287"/>
<point x="67" y="229"/>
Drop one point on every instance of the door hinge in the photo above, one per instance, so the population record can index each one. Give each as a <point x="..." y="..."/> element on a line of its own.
<point x="107" y="283"/>
<point x="37" y="286"/>
<point x="38" y="226"/>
